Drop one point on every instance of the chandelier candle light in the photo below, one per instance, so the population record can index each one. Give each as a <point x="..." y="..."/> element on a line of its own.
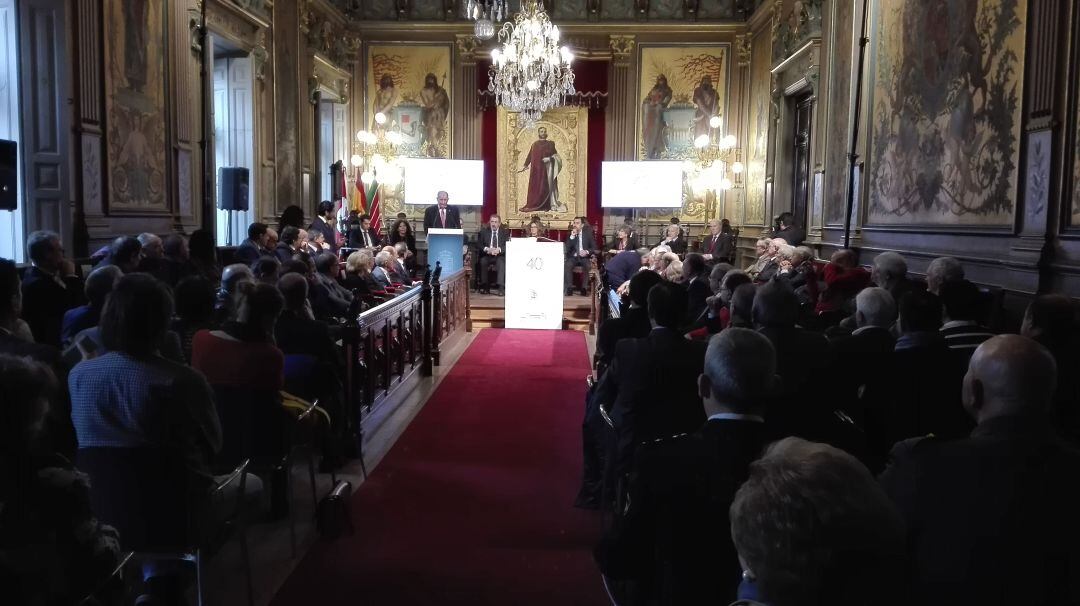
<point x="377" y="152"/>
<point x="530" y="73"/>
<point x="716" y="155"/>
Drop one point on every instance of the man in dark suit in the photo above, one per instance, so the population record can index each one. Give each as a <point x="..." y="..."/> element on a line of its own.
<point x="632" y="323"/>
<point x="991" y="518"/>
<point x="49" y="287"/>
<point x="442" y="215"/>
<point x="674" y="539"/>
<point x="718" y="245"/>
<point x="579" y="250"/>
<point x="361" y="234"/>
<point x="787" y="230"/>
<point x="492" y="243"/>
<point x="650" y="388"/>
<point x="255" y="245"/>
<point x="324" y="216"/>
<point x="697" y="287"/>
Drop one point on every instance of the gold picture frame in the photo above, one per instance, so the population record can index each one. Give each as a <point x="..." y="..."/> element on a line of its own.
<point x="521" y="192"/>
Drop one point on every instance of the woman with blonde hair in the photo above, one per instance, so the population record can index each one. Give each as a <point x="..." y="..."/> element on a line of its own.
<point x="358" y="276"/>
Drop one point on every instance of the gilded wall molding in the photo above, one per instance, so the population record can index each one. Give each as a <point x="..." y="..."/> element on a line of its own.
<point x="622" y="48"/>
<point x="468" y="48"/>
<point x="742" y="50"/>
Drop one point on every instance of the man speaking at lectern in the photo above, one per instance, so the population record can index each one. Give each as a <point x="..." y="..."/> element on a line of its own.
<point x="579" y="249"/>
<point x="442" y="215"/>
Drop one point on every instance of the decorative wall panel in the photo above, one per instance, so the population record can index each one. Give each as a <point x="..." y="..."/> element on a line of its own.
<point x="757" y="140"/>
<point x="838" y="116"/>
<point x="410" y="84"/>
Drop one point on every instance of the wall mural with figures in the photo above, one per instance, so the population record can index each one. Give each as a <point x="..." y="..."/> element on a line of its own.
<point x="135" y="105"/>
<point x="1075" y="220"/>
<point x="945" y="115"/>
<point x="838" y="118"/>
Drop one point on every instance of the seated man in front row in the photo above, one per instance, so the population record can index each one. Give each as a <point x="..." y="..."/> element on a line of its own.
<point x="492" y="242"/>
<point x="579" y="249"/>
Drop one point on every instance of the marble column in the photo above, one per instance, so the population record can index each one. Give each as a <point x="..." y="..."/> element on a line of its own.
<point x="622" y="96"/>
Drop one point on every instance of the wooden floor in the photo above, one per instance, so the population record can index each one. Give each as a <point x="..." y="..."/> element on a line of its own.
<point x="488" y="311"/>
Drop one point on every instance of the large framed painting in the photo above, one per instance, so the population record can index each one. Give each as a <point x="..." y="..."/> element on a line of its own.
<point x="135" y="105"/>
<point x="542" y="166"/>
<point x="757" y="132"/>
<point x="681" y="88"/>
<point x="945" y="113"/>
<point x="838" y="118"/>
<point x="411" y="85"/>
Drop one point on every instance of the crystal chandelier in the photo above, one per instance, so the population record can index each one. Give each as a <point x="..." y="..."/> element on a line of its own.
<point x="486" y="13"/>
<point x="530" y="74"/>
<point x="717" y="156"/>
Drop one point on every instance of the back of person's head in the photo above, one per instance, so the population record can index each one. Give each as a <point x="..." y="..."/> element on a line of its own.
<point x="667" y="305"/>
<point x="960" y="300"/>
<point x="725" y="226"/>
<point x="786" y="218"/>
<point x="265" y="269"/>
<point x="740" y="372"/>
<point x="734" y="279"/>
<point x="326" y="262"/>
<point x="640" y="285"/>
<point x="10" y="290"/>
<point x="235" y="274"/>
<point x="775" y="305"/>
<point x="136" y="315"/>
<point x="256" y="230"/>
<point x="812" y="526"/>
<point x="24" y="401"/>
<point x="293" y="266"/>
<point x="1052" y="320"/>
<point x="290" y="235"/>
<point x="875" y="307"/>
<point x="292" y="216"/>
<point x="324" y="207"/>
<point x="175" y="246"/>
<point x="382" y="258"/>
<point x="674" y="271"/>
<point x="741" y="305"/>
<point x="294" y="290"/>
<point x="803" y="254"/>
<point x="401" y="248"/>
<point x="39" y="244"/>
<point x="716" y="275"/>
<point x="942" y="270"/>
<point x="201" y="246"/>
<point x="1009" y="375"/>
<point x="920" y="311"/>
<point x="100" y="283"/>
<point x="195" y="299"/>
<point x="693" y="265"/>
<point x="889" y="267"/>
<point x="845" y="258"/>
<point x="124" y="252"/>
<point x="260" y="305"/>
<point x="359" y="262"/>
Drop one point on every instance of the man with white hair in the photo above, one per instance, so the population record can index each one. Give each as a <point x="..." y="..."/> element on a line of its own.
<point x="685" y="484"/>
<point x="864" y="357"/>
<point x="942" y="270"/>
<point x="890" y="272"/>
<point x="381" y="274"/>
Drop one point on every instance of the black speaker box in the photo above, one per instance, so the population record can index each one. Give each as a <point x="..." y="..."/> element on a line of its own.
<point x="337" y="180"/>
<point x="9" y="176"/>
<point x="234" y="188"/>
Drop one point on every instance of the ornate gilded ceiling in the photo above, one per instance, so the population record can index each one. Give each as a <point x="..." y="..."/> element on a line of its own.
<point x="560" y="10"/>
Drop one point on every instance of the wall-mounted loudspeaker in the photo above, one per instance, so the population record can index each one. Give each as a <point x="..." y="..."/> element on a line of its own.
<point x="233" y="182"/>
<point x="9" y="176"/>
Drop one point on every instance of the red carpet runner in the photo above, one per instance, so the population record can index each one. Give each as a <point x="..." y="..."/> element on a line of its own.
<point x="473" y="504"/>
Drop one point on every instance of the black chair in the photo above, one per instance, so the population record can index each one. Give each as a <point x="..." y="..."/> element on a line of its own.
<point x="145" y="494"/>
<point x="255" y="426"/>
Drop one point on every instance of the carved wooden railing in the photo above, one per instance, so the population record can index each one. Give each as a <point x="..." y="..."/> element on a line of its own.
<point x="450" y="305"/>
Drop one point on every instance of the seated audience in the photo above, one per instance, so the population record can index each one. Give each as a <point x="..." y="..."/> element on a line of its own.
<point x="697" y="288"/>
<point x="622" y="267"/>
<point x="890" y="273"/>
<point x="52" y="548"/>
<point x="49" y="287"/>
<point x="673" y="239"/>
<point x="296" y="331"/>
<point x="942" y="270"/>
<point x="812" y="527"/>
<point x="843" y="280"/>
<point x="800" y="275"/>
<point x="231" y="279"/>
<point x="1054" y="321"/>
<point x="741" y="306"/>
<point x="242" y="352"/>
<point x="402" y="270"/>
<point x="381" y="274"/>
<point x="329" y="299"/>
<point x="99" y="284"/>
<point x="673" y="541"/>
<point x="125" y="252"/>
<point x="194" y="310"/>
<point x="787" y="230"/>
<point x="266" y="270"/>
<point x="358" y="278"/>
<point x="632" y="323"/>
<point x="779" y="254"/>
<point x="204" y="255"/>
<point x="991" y="518"/>
<point x="720" y="306"/>
<point x="363" y="235"/>
<point x="176" y="263"/>
<point x="716" y="276"/>
<point x="761" y="250"/>
<point x="153" y="253"/>
<point x="649" y="388"/>
<point x="719" y="243"/>
<point x="131" y="397"/>
<point x="255" y="246"/>
<point x="960" y="301"/>
<point x="288" y="244"/>
<point x="673" y="271"/>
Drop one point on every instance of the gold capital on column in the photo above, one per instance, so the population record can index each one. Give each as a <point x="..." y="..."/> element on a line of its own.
<point x="467" y="48"/>
<point x="621" y="48"/>
<point x="742" y="50"/>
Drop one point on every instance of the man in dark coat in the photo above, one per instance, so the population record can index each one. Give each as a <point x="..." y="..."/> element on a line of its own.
<point x="442" y="215"/>
<point x="50" y="287"/>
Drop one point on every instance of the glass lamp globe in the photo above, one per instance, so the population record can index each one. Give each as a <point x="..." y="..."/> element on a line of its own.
<point x="701" y="141"/>
<point x="356" y="161"/>
<point x="484" y="29"/>
<point x="730" y="141"/>
<point x="367" y="177"/>
<point x="361" y="135"/>
<point x="714" y="122"/>
<point x="725" y="183"/>
<point x="380" y="118"/>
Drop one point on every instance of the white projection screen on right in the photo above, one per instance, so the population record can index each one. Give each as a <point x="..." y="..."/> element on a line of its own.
<point x="645" y="184"/>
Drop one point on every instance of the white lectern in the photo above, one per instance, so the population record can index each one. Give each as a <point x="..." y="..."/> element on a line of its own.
<point x="534" y="284"/>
